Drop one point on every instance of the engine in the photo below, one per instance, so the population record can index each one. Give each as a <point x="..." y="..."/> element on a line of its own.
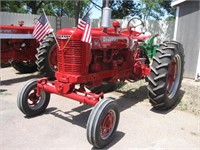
<point x="108" y="58"/>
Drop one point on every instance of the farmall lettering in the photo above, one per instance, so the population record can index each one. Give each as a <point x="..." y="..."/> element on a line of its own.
<point x="114" y="42"/>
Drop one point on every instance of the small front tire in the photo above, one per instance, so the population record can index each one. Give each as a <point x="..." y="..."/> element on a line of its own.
<point x="102" y="123"/>
<point x="29" y="103"/>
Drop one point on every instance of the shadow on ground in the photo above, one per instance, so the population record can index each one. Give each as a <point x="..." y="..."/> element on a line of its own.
<point x="17" y="80"/>
<point x="79" y="115"/>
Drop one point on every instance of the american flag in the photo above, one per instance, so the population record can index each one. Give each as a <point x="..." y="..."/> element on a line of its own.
<point x="84" y="25"/>
<point x="41" y="28"/>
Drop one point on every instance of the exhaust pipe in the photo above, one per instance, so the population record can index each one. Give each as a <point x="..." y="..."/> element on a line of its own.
<point x="106" y="17"/>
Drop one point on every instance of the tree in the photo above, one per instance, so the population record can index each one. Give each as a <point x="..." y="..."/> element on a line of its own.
<point x="12" y="6"/>
<point x="123" y="8"/>
<point x="157" y="9"/>
<point x="58" y="8"/>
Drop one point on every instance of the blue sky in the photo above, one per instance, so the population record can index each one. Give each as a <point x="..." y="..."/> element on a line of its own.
<point x="95" y="13"/>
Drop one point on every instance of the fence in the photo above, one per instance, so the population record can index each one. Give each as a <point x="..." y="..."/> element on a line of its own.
<point x="165" y="29"/>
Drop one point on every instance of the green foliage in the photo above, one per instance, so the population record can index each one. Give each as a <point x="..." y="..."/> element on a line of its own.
<point x="58" y="8"/>
<point x="146" y="9"/>
<point x="157" y="9"/>
<point x="122" y="8"/>
<point x="12" y="6"/>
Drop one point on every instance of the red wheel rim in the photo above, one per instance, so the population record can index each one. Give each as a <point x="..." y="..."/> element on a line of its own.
<point x="108" y="124"/>
<point x="33" y="99"/>
<point x="53" y="58"/>
<point x="174" y="76"/>
<point x="35" y="102"/>
<point x="171" y="76"/>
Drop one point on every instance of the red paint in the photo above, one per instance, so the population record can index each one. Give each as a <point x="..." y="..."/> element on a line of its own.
<point x="14" y="48"/>
<point x="107" y="124"/>
<point x="110" y="58"/>
<point x="171" y="76"/>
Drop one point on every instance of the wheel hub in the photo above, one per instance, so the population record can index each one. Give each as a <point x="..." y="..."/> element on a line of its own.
<point x="33" y="98"/>
<point x="108" y="124"/>
<point x="174" y="76"/>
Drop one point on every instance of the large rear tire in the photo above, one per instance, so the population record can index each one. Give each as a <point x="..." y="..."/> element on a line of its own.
<point x="47" y="57"/>
<point x="166" y="75"/>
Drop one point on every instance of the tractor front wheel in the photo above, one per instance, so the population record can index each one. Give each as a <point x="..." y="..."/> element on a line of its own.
<point x="166" y="75"/>
<point x="102" y="123"/>
<point x="29" y="103"/>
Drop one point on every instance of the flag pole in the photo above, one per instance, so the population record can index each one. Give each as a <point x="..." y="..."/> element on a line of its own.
<point x="75" y="30"/>
<point x="70" y="36"/>
<point x="51" y="28"/>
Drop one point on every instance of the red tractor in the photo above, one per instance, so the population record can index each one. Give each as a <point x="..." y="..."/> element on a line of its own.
<point x="114" y="55"/>
<point x="19" y="47"/>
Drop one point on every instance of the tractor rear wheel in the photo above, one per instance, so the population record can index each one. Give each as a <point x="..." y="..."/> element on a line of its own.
<point x="166" y="75"/>
<point x="102" y="123"/>
<point x="47" y="57"/>
<point x="24" y="67"/>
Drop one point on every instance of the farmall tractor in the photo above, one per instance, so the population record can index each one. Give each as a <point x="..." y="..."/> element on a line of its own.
<point x="114" y="55"/>
<point x="19" y="47"/>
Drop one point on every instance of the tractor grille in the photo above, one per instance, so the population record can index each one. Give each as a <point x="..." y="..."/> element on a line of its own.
<point x="70" y="57"/>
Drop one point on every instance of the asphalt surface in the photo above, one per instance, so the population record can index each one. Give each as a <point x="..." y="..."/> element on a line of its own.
<point x="63" y="125"/>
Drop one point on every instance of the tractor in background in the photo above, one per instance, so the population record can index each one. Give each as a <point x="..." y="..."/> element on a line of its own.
<point x="19" y="48"/>
<point x="113" y="55"/>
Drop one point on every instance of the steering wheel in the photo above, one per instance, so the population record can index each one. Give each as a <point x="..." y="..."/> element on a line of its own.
<point x="137" y="25"/>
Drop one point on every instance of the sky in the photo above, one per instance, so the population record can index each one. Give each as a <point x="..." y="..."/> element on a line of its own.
<point x="95" y="13"/>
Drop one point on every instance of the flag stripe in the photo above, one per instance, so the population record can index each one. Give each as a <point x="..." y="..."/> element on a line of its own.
<point x="81" y="25"/>
<point x="43" y="34"/>
<point x="41" y="28"/>
<point x="36" y="29"/>
<point x="84" y="25"/>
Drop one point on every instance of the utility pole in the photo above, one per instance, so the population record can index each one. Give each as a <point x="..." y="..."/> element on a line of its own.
<point x="77" y="11"/>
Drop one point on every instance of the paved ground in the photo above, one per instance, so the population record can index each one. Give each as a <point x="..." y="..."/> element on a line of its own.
<point x="63" y="125"/>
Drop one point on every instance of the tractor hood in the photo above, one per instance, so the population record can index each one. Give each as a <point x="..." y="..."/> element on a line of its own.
<point x="65" y="33"/>
<point x="100" y="39"/>
<point x="76" y="33"/>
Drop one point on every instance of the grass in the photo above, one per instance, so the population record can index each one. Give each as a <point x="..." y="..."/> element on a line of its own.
<point x="190" y="100"/>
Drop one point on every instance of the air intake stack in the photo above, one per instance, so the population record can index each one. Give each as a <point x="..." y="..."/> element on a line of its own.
<point x="106" y="16"/>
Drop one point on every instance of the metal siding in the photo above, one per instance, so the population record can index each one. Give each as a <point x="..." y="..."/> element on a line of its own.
<point x="188" y="35"/>
<point x="165" y="29"/>
<point x="29" y="19"/>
